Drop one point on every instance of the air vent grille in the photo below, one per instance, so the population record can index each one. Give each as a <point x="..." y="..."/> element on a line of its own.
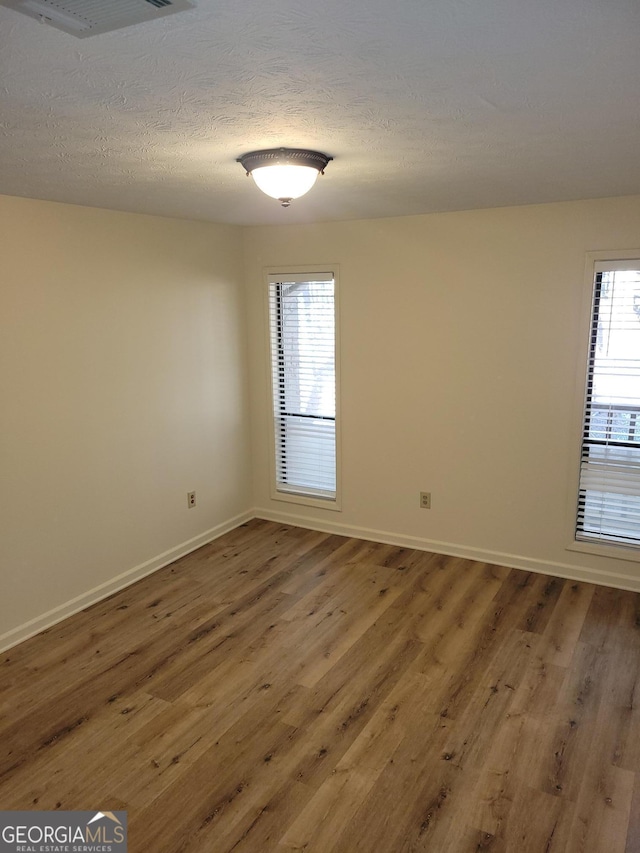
<point x="83" y="18"/>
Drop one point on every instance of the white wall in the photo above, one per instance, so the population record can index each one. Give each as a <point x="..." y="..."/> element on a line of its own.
<point x="460" y="337"/>
<point x="123" y="386"/>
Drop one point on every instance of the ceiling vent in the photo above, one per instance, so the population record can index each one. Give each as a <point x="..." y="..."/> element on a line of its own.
<point x="83" y="18"/>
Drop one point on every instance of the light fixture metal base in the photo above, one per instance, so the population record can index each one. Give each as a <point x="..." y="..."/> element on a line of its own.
<point x="284" y="157"/>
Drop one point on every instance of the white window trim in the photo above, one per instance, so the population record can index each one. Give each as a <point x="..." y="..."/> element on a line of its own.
<point x="303" y="271"/>
<point x="616" y="258"/>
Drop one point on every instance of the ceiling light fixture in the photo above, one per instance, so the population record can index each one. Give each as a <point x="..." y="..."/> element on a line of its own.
<point x="284" y="173"/>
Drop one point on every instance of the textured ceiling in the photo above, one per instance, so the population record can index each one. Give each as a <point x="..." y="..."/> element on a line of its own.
<point x="426" y="105"/>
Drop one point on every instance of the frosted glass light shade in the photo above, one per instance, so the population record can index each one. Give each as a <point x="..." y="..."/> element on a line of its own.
<point x="284" y="173"/>
<point x="285" y="182"/>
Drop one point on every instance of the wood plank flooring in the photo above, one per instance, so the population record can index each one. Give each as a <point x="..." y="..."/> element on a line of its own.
<point x="287" y="690"/>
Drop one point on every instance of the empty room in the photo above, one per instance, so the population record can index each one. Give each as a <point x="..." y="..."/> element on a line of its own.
<point x="320" y="435"/>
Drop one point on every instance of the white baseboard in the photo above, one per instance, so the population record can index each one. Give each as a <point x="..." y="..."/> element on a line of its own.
<point x="104" y="590"/>
<point x="511" y="561"/>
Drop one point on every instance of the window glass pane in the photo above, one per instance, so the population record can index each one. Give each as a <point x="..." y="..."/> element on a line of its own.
<point x="302" y="318"/>
<point x="609" y="499"/>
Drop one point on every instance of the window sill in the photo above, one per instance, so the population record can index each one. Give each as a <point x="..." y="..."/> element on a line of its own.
<point x="307" y="500"/>
<point x="616" y="552"/>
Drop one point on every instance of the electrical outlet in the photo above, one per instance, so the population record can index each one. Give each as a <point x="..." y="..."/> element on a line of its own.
<point x="191" y="499"/>
<point x="425" y="500"/>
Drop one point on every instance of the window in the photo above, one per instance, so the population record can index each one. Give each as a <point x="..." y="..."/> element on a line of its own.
<point x="609" y="490"/>
<point x="303" y="369"/>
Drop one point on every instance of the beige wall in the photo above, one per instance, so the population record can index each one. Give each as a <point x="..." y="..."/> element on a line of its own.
<point x="460" y="338"/>
<point x="123" y="383"/>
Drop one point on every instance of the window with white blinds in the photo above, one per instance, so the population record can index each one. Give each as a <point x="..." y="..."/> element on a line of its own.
<point x="303" y="368"/>
<point x="609" y="492"/>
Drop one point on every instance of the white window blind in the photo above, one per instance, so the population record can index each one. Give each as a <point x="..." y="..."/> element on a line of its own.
<point x="609" y="496"/>
<point x="302" y="330"/>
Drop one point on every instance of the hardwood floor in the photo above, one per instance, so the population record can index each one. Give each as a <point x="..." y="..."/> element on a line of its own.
<point x="283" y="690"/>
